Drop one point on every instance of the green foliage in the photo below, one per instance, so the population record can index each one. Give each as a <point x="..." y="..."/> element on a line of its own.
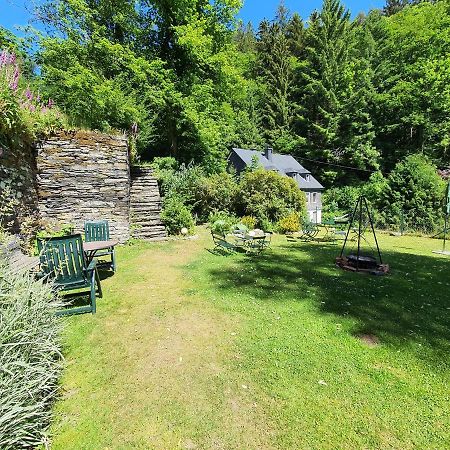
<point x="341" y="200"/>
<point x="415" y="192"/>
<point x="249" y="222"/>
<point x="216" y="193"/>
<point x="335" y="91"/>
<point x="222" y="222"/>
<point x="183" y="183"/>
<point x="268" y="196"/>
<point x="24" y="116"/>
<point x="176" y="216"/>
<point x="30" y="358"/>
<point x="289" y="223"/>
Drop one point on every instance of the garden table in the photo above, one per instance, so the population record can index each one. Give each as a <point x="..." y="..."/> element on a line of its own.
<point x="91" y="248"/>
<point x="257" y="242"/>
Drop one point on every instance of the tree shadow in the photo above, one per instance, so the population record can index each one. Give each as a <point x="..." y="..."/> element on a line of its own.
<point x="411" y="305"/>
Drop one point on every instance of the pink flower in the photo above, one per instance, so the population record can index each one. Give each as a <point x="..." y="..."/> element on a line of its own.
<point x="3" y="57"/>
<point x="29" y="94"/>
<point x="50" y="103"/>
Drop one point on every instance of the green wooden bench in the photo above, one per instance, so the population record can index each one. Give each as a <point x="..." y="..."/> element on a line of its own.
<point x="63" y="262"/>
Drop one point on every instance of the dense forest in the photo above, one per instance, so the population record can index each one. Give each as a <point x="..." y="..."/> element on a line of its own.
<point x="362" y="92"/>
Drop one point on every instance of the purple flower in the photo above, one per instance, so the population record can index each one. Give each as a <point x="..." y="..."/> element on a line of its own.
<point x="44" y="109"/>
<point x="13" y="85"/>
<point x="3" y="57"/>
<point x="50" y="103"/>
<point x="134" y="128"/>
<point x="32" y="108"/>
<point x="29" y="94"/>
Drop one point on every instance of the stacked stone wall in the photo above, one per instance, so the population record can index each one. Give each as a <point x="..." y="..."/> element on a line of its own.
<point x="18" y="196"/>
<point x="85" y="176"/>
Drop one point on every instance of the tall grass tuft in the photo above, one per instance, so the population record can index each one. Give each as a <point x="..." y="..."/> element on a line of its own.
<point x="30" y="359"/>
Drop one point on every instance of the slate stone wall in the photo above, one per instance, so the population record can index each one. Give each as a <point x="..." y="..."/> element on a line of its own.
<point x="85" y="176"/>
<point x="18" y="187"/>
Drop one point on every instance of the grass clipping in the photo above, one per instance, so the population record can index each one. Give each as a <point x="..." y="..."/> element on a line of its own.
<point x="30" y="359"/>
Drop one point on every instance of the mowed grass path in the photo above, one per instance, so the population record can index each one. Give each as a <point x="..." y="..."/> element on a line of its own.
<point x="192" y="350"/>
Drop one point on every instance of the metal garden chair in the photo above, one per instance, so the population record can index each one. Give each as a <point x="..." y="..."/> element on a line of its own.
<point x="63" y="261"/>
<point x="99" y="231"/>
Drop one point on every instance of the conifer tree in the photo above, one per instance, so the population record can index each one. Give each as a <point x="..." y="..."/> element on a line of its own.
<point x="335" y="93"/>
<point x="275" y="71"/>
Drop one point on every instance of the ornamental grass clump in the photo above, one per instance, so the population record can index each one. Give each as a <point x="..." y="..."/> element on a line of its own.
<point x="30" y="359"/>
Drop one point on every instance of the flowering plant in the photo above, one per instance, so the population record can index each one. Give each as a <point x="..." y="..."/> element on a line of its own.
<point x="24" y="115"/>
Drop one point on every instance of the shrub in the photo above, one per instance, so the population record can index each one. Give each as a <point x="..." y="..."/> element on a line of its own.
<point x="30" y="359"/>
<point x="249" y="222"/>
<point x="289" y="224"/>
<point x="222" y="222"/>
<point x="268" y="196"/>
<point x="415" y="191"/>
<point x="183" y="183"/>
<point x="176" y="216"/>
<point x="215" y="193"/>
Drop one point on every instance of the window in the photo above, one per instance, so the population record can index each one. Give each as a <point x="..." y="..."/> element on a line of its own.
<point x="306" y="177"/>
<point x="314" y="197"/>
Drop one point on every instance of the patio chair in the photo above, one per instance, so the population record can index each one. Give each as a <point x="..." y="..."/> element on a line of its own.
<point x="221" y="243"/>
<point x="64" y="263"/>
<point x="309" y="231"/>
<point x="99" y="231"/>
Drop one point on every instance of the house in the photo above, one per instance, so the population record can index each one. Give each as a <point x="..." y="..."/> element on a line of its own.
<point x="240" y="159"/>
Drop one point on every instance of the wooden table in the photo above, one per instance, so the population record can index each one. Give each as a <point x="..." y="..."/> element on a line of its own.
<point x="91" y="248"/>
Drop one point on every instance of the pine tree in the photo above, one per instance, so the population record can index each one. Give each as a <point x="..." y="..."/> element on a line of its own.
<point x="335" y="92"/>
<point x="275" y="71"/>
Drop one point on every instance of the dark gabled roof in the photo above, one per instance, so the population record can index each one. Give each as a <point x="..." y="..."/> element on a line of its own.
<point x="285" y="164"/>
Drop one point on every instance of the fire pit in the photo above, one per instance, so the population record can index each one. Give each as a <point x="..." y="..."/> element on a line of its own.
<point x="356" y="260"/>
<point x="365" y="264"/>
<point x="362" y="261"/>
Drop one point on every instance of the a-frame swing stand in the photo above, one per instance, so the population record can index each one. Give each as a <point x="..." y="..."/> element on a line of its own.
<point x="447" y="213"/>
<point x="359" y="262"/>
<point x="444" y="242"/>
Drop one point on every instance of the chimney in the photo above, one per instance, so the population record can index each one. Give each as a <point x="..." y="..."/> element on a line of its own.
<point x="268" y="153"/>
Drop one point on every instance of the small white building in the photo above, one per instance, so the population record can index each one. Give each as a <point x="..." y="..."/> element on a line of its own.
<point x="287" y="165"/>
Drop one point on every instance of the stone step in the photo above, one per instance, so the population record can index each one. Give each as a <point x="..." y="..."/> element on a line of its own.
<point x="142" y="205"/>
<point x="140" y="183"/>
<point x="139" y="196"/>
<point x="147" y="223"/>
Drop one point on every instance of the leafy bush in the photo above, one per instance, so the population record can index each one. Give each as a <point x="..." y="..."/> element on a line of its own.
<point x="182" y="183"/>
<point x="215" y="193"/>
<point x="176" y="216"/>
<point x="289" y="224"/>
<point x="269" y="196"/>
<point x="414" y="193"/>
<point x="30" y="359"/>
<point x="222" y="222"/>
<point x="249" y="222"/>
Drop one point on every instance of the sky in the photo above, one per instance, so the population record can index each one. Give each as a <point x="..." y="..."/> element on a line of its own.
<point x="15" y="13"/>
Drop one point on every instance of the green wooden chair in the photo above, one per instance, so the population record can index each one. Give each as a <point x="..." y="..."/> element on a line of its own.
<point x="99" y="231"/>
<point x="221" y="244"/>
<point x="63" y="261"/>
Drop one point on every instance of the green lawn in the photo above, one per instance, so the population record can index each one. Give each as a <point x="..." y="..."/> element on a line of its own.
<point x="192" y="350"/>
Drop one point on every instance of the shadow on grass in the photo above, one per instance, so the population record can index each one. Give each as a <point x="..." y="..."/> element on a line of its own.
<point x="409" y="305"/>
